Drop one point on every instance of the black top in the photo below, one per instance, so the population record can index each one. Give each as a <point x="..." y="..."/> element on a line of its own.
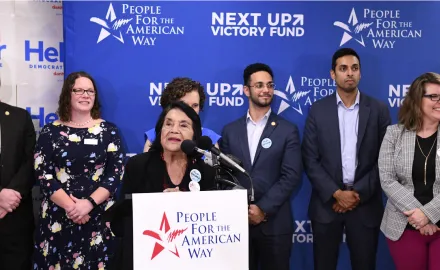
<point x="146" y="173"/>
<point x="423" y="193"/>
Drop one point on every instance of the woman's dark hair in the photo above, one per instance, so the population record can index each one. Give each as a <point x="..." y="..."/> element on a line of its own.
<point x="190" y="112"/>
<point x="64" y="103"/>
<point x="410" y="114"/>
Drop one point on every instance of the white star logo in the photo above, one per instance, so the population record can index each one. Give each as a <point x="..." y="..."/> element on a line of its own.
<point x="358" y="28"/>
<point x="110" y="18"/>
<point x="285" y="102"/>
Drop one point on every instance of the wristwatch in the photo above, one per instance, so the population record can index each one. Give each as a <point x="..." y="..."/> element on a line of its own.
<point x="92" y="201"/>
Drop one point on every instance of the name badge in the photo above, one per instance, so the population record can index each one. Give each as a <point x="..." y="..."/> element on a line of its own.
<point x="91" y="141"/>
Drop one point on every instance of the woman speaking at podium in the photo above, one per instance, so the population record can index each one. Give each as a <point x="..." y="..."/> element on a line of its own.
<point x="165" y="168"/>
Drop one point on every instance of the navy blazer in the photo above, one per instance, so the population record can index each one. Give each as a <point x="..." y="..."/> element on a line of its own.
<point x="276" y="171"/>
<point x="321" y="150"/>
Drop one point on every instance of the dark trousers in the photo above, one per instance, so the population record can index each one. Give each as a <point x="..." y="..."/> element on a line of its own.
<point x="16" y="251"/>
<point x="362" y="243"/>
<point x="270" y="252"/>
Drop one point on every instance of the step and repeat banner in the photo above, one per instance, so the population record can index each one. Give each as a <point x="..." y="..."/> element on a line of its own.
<point x="32" y="56"/>
<point x="31" y="60"/>
<point x="133" y="49"/>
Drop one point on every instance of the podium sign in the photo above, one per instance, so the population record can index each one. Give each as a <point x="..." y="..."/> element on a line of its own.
<point x="191" y="230"/>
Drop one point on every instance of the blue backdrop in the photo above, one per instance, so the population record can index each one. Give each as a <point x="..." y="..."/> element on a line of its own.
<point x="133" y="49"/>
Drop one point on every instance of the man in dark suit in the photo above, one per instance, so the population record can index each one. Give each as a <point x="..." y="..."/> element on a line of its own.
<point x="340" y="148"/>
<point x="269" y="148"/>
<point x="16" y="182"/>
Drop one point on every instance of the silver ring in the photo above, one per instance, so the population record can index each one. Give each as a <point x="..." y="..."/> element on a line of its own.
<point x="414" y="225"/>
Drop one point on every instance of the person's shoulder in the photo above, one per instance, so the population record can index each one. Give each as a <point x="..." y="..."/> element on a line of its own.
<point x="321" y="106"/>
<point x="140" y="160"/>
<point x="49" y="127"/>
<point x="108" y="124"/>
<point x="13" y="111"/>
<point x="150" y="134"/>
<point x="284" y="123"/>
<point x="396" y="128"/>
<point x="325" y="101"/>
<point x="233" y="124"/>
<point x="374" y="101"/>
<point x="206" y="131"/>
<point x="211" y="134"/>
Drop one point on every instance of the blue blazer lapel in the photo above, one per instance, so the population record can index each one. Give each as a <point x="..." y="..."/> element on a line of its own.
<point x="271" y="124"/>
<point x="333" y="132"/>
<point x="364" y="114"/>
<point x="244" y="143"/>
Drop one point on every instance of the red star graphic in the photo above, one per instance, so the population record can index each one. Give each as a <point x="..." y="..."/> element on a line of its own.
<point x="165" y="227"/>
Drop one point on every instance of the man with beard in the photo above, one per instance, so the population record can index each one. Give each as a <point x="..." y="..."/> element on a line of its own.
<point x="269" y="148"/>
<point x="340" y="148"/>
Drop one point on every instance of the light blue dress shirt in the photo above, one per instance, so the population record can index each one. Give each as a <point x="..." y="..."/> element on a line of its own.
<point x="348" y="130"/>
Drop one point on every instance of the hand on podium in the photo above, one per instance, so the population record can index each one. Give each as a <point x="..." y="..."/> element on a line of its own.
<point x="176" y="189"/>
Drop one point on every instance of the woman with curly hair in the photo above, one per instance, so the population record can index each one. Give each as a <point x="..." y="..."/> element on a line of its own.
<point x="188" y="91"/>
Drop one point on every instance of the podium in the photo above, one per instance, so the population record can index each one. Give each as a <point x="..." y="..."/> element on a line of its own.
<point x="190" y="230"/>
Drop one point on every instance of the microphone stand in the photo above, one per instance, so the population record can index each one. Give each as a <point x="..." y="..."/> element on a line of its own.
<point x="235" y="184"/>
<point x="216" y="165"/>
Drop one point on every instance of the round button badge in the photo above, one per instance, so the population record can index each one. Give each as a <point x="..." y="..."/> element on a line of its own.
<point x="195" y="175"/>
<point x="194" y="186"/>
<point x="266" y="143"/>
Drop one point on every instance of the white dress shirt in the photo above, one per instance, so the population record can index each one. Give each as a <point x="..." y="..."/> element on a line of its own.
<point x="254" y="131"/>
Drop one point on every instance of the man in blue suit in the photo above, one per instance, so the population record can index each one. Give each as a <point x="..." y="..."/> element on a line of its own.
<point x="269" y="148"/>
<point x="340" y="148"/>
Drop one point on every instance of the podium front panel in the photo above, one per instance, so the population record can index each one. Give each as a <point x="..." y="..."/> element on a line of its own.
<point x="191" y="230"/>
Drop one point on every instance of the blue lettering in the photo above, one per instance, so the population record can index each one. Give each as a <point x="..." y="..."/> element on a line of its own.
<point x="196" y="217"/>
<point x="179" y="215"/>
<point x="49" y="54"/>
<point x="202" y="229"/>
<point x="211" y="239"/>
<point x="2" y="47"/>
<point x="200" y="253"/>
<point x="51" y="117"/>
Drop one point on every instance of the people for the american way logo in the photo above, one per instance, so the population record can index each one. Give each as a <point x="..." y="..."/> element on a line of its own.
<point x="164" y="238"/>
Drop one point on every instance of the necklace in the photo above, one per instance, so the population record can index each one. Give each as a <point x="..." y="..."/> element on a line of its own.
<point x="426" y="157"/>
<point x="83" y="124"/>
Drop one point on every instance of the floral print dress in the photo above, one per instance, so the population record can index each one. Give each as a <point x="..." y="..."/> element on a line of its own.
<point x="78" y="160"/>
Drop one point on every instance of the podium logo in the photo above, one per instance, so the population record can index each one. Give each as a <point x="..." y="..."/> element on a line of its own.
<point x="201" y="234"/>
<point x="164" y="237"/>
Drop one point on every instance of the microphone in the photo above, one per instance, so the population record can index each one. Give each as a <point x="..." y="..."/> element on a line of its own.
<point x="189" y="147"/>
<point x="206" y="144"/>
